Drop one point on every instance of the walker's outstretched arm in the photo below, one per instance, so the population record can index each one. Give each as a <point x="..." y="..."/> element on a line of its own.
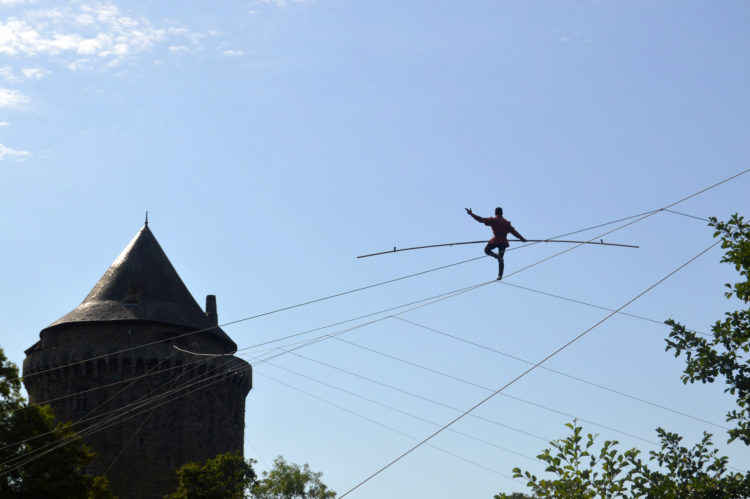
<point x="475" y="217"/>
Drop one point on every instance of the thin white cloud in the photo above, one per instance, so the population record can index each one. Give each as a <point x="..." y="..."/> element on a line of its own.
<point x="35" y="73"/>
<point x="284" y="3"/>
<point x="575" y="37"/>
<point x="178" y="49"/>
<point x="12" y="98"/>
<point x="14" y="2"/>
<point x="13" y="154"/>
<point x="233" y="53"/>
<point x="91" y="34"/>
<point x="4" y="123"/>
<point x="7" y="74"/>
<point x="10" y="75"/>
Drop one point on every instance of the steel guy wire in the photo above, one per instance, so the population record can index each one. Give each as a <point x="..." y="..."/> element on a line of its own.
<point x="96" y="427"/>
<point x="421" y="397"/>
<point x="689" y="216"/>
<point x="264" y="314"/>
<point x="103" y="427"/>
<point x="86" y="416"/>
<point x="129" y="380"/>
<point x="488" y="389"/>
<point x="573" y="300"/>
<point x="543" y="260"/>
<point x="134" y="405"/>
<point x="561" y="373"/>
<point x="140" y="404"/>
<point x="441" y="297"/>
<point x="555" y="352"/>
<point x="378" y="423"/>
<point x="182" y="366"/>
<point x="401" y="411"/>
<point x="51" y="446"/>
<point x="336" y="295"/>
<point x="645" y="215"/>
<point x="136" y="432"/>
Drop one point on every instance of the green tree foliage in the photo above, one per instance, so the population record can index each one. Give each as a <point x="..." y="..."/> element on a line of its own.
<point x="290" y="481"/>
<point x="227" y="476"/>
<point x="24" y="430"/>
<point x="725" y="356"/>
<point x="696" y="473"/>
<point x="580" y="471"/>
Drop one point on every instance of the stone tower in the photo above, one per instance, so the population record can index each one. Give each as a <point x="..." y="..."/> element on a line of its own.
<point x="120" y="361"/>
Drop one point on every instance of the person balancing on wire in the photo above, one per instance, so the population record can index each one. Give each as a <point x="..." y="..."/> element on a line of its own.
<point x="500" y="228"/>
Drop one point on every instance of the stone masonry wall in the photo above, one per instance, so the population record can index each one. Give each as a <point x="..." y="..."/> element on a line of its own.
<point x="147" y="411"/>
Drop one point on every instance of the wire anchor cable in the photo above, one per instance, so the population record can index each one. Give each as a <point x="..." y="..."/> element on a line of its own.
<point x="481" y="402"/>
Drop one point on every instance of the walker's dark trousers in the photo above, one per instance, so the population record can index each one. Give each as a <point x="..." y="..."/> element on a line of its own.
<point x="499" y="256"/>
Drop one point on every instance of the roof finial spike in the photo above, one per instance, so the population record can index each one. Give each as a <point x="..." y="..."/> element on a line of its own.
<point x="146" y="217"/>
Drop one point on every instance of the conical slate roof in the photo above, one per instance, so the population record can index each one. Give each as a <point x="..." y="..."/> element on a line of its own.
<point x="142" y="285"/>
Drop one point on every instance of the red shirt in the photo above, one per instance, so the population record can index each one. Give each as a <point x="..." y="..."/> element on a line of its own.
<point x="500" y="227"/>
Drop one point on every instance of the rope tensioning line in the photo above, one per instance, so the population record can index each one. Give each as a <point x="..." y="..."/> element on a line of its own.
<point x="138" y="430"/>
<point x="131" y="380"/>
<point x="541" y="406"/>
<point x="400" y="411"/>
<point x="182" y="366"/>
<point x="688" y="215"/>
<point x="437" y="403"/>
<point x="511" y="382"/>
<point x="409" y="414"/>
<point x="393" y="315"/>
<point x="382" y="425"/>
<point x="93" y="428"/>
<point x="647" y="214"/>
<point x="421" y="397"/>
<point x="89" y="415"/>
<point x="457" y="456"/>
<point x="99" y="426"/>
<point x="362" y="325"/>
<point x="141" y="401"/>
<point x="439" y="297"/>
<point x="85" y="433"/>
<point x="336" y="295"/>
<point x="382" y="311"/>
<point x="655" y="321"/>
<point x="523" y="268"/>
<point x="488" y="389"/>
<point x="580" y="302"/>
<point x="139" y="404"/>
<point x="544" y="259"/>
<point x="380" y="319"/>
<point x="278" y="310"/>
<point x="608" y="232"/>
<point x="562" y="373"/>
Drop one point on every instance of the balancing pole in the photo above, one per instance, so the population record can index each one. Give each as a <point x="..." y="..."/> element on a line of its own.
<point x="599" y="243"/>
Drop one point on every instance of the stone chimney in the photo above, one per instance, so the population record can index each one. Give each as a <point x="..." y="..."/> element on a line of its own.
<point x="211" y="309"/>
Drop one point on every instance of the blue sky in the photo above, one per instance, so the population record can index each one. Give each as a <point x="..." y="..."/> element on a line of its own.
<point x="273" y="141"/>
